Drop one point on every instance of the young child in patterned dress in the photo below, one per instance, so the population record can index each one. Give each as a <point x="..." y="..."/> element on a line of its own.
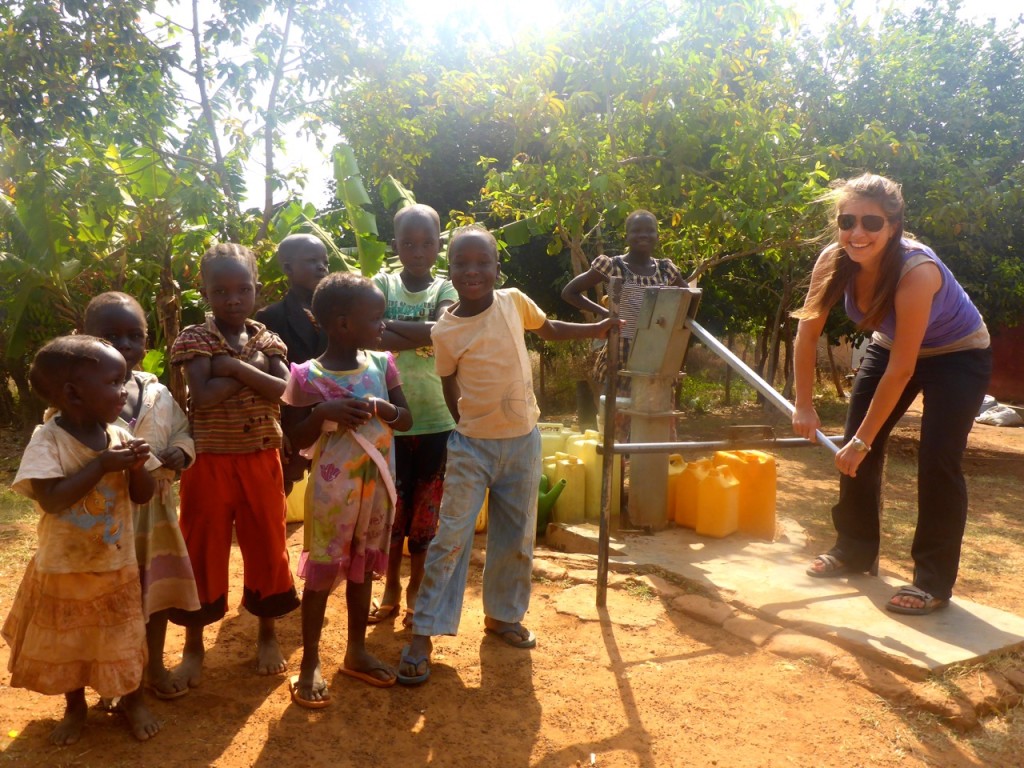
<point x="353" y="400"/>
<point x="151" y="414"/>
<point x="77" y="619"/>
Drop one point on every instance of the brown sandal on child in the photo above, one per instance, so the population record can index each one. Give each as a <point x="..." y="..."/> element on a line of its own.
<point x="379" y="613"/>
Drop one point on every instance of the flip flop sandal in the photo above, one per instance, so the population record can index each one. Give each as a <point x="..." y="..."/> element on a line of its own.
<point x="293" y="687"/>
<point x="369" y="678"/>
<point x="407" y="619"/>
<point x="513" y="635"/>
<point x="930" y="603"/>
<point x="166" y="695"/>
<point x="833" y="567"/>
<point x="379" y="613"/>
<point x="413" y="662"/>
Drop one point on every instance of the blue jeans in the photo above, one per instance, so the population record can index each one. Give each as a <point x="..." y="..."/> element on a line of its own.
<point x="511" y="469"/>
<point x="953" y="386"/>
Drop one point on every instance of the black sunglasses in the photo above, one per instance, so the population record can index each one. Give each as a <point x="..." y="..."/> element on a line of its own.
<point x="871" y="223"/>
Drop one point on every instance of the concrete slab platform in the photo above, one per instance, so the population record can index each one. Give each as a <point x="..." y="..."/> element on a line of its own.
<point x="579" y="537"/>
<point x="768" y="580"/>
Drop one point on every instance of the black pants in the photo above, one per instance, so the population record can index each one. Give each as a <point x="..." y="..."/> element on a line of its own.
<point x="953" y="386"/>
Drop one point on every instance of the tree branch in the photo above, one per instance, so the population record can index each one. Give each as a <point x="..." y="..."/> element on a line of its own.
<point x="207" y="107"/>
<point x="714" y="261"/>
<point x="271" y="126"/>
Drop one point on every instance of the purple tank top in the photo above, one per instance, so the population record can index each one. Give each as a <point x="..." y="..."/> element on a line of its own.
<point x="953" y="316"/>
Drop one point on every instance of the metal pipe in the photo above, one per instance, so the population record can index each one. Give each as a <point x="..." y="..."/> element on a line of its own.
<point x="708" y="445"/>
<point x="762" y="386"/>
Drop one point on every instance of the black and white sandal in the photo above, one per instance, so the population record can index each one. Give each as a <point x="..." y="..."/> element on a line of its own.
<point x="832" y="567"/>
<point x="930" y="603"/>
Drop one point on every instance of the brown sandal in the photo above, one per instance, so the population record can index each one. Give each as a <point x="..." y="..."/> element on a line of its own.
<point x="379" y="613"/>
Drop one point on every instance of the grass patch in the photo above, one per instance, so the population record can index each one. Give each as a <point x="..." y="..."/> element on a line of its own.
<point x="699" y="394"/>
<point x="17" y="532"/>
<point x="639" y="589"/>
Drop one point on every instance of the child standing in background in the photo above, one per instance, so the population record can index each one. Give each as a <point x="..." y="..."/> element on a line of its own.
<point x="639" y="271"/>
<point x="303" y="259"/>
<point x="236" y="373"/>
<point x="77" y="619"/>
<point x="151" y="414"/>
<point x="415" y="299"/>
<point x="488" y="385"/>
<point x="352" y="399"/>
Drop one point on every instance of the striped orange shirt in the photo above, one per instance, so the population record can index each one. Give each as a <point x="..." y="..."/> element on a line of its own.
<point x="245" y="422"/>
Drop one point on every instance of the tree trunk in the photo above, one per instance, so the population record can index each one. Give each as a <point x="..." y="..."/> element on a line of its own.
<point x="836" y="378"/>
<point x="787" y="389"/>
<point x="168" y="307"/>
<point x="211" y="121"/>
<point x="778" y="323"/>
<point x="270" y="127"/>
<point x="30" y="410"/>
<point x="727" y="399"/>
<point x="761" y="351"/>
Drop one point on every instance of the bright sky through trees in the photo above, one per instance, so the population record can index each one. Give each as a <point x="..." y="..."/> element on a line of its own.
<point x="503" y="22"/>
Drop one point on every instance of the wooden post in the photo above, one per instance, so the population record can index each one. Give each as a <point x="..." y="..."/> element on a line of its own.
<point x="608" y="458"/>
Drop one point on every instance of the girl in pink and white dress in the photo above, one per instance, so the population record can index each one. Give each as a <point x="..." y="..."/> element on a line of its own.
<point x="353" y="400"/>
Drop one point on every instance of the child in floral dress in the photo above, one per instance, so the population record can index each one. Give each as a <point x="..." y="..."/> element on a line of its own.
<point x="353" y="400"/>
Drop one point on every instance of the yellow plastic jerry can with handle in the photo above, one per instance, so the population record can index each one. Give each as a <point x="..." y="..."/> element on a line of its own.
<point x="686" y="491"/>
<point x="718" y="501"/>
<point x="585" y="447"/>
<point x="757" y="475"/>
<point x="569" y="508"/>
<point x="552" y="437"/>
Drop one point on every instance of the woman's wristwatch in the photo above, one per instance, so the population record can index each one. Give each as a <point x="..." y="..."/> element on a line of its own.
<point x="859" y="445"/>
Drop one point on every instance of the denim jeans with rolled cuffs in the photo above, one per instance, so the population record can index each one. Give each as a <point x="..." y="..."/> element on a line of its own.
<point x="511" y="469"/>
<point x="953" y="386"/>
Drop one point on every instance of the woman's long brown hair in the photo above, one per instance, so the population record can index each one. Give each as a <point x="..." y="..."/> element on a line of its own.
<point x="841" y="269"/>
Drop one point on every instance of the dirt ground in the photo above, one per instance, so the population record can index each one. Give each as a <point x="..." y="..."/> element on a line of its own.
<point x="639" y="684"/>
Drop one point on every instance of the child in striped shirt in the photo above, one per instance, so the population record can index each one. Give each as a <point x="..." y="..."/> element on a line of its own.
<point x="236" y="374"/>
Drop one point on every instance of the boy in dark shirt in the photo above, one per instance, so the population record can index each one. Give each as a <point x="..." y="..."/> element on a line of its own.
<point x="303" y="259"/>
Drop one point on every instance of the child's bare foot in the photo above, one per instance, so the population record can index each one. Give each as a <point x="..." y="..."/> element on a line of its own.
<point x="410" y="599"/>
<point x="69" y="729"/>
<point x="188" y="674"/>
<point x="309" y="689"/>
<point x="165" y="685"/>
<point x="142" y="722"/>
<point x="269" y="659"/>
<point x="363" y="665"/>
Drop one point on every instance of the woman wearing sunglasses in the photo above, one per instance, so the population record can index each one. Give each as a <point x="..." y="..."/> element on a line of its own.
<point x="927" y="338"/>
